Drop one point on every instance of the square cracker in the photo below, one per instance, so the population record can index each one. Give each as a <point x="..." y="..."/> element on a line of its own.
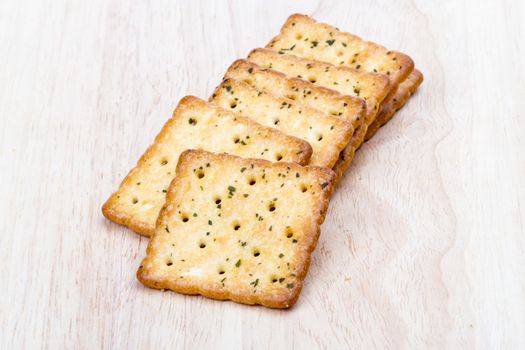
<point x="327" y="134"/>
<point x="323" y="99"/>
<point x="244" y="231"/>
<point x="371" y="87"/>
<point x="199" y="125"/>
<point x="400" y="98"/>
<point x="302" y="36"/>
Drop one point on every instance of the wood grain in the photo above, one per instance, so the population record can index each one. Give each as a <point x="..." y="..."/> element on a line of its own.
<point x="424" y="243"/>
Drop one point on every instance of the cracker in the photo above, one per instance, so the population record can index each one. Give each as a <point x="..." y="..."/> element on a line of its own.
<point x="327" y="134"/>
<point x="371" y="87"/>
<point x="244" y="231"/>
<point x="199" y="125"/>
<point x="326" y="100"/>
<point x="403" y="93"/>
<point x="302" y="36"/>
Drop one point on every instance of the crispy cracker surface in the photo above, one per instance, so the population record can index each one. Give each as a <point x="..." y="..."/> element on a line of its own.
<point x="199" y="125"/>
<point x="302" y="36"/>
<point x="403" y="93"/>
<point x="327" y="134"/>
<point x="371" y="87"/>
<point x="238" y="229"/>
<point x="326" y="100"/>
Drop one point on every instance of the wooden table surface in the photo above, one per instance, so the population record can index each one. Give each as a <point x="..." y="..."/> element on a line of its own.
<point x="423" y="245"/>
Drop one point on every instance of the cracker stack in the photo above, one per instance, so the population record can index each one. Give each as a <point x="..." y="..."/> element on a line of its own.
<point x="233" y="191"/>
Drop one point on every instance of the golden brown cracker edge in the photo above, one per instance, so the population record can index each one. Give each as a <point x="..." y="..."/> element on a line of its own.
<point x="322" y="98"/>
<point x="327" y="134"/>
<point x="352" y="51"/>
<point x="114" y="210"/>
<point x="401" y="97"/>
<point x="285" y="300"/>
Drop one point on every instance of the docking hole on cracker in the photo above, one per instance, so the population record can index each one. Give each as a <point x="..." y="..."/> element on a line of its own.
<point x="195" y="124"/>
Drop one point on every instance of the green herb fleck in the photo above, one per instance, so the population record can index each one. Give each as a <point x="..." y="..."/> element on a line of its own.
<point x="289" y="285"/>
<point x="167" y="229"/>
<point x="210" y="222"/>
<point x="281" y="51"/>
<point x="192" y="121"/>
<point x="281" y="255"/>
<point x="330" y="42"/>
<point x="256" y="282"/>
<point x="243" y="169"/>
<point x="238" y="263"/>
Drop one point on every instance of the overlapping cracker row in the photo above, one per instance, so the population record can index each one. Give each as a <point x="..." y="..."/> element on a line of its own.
<point x="371" y="87"/>
<point x="195" y="124"/>
<point x="233" y="191"/>
<point x="327" y="134"/>
<point x="277" y="83"/>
